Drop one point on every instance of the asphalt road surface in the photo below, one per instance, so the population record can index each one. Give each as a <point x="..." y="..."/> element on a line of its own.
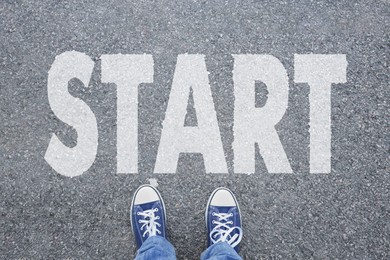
<point x="341" y="215"/>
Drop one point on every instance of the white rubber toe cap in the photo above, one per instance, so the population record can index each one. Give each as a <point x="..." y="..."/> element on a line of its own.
<point x="223" y="197"/>
<point x="145" y="194"/>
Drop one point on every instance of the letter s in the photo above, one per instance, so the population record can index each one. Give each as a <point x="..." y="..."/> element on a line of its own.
<point x="73" y="111"/>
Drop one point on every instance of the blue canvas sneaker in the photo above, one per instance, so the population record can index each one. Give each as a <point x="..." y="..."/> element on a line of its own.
<point x="147" y="214"/>
<point x="223" y="218"/>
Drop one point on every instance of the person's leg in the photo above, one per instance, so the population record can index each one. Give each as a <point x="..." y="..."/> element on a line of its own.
<point x="148" y="223"/>
<point x="156" y="247"/>
<point x="220" y="251"/>
<point x="223" y="220"/>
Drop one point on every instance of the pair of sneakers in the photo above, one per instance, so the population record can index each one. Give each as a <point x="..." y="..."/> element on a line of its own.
<point x="223" y="218"/>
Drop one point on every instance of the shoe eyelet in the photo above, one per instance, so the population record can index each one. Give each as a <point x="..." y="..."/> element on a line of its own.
<point x="138" y="213"/>
<point x="139" y="221"/>
<point x="213" y="222"/>
<point x="231" y="214"/>
<point x="213" y="214"/>
<point x="156" y="209"/>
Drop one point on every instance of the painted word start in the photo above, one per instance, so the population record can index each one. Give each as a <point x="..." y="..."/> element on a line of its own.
<point x="251" y="124"/>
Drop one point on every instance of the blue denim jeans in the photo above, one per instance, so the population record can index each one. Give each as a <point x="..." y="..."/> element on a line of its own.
<point x="158" y="248"/>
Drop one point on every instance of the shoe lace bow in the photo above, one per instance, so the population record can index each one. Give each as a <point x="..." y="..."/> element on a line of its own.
<point x="222" y="232"/>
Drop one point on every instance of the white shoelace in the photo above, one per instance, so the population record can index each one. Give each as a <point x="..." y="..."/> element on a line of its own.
<point x="222" y="231"/>
<point x="149" y="222"/>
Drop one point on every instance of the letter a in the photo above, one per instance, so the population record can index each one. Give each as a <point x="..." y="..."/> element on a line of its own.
<point x="205" y="138"/>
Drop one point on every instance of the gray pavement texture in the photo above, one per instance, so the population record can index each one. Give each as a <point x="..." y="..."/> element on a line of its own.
<point x="342" y="215"/>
